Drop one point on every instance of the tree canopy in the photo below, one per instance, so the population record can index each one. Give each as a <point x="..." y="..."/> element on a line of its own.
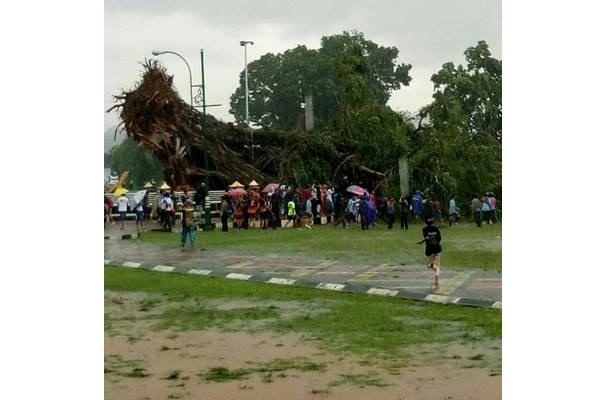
<point x="457" y="151"/>
<point x="453" y="147"/>
<point x="278" y="83"/>
<point x="141" y="162"/>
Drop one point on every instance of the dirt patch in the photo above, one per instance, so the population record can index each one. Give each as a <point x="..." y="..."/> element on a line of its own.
<point x="144" y="363"/>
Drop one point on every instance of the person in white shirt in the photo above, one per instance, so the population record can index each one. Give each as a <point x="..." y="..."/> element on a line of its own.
<point x="167" y="207"/>
<point x="122" y="203"/>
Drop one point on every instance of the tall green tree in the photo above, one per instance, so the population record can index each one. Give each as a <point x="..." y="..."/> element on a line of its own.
<point x="458" y="149"/>
<point x="278" y="84"/>
<point x="142" y="164"/>
<point x="478" y="90"/>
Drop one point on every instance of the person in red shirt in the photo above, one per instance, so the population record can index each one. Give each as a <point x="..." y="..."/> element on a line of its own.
<point x="108" y="206"/>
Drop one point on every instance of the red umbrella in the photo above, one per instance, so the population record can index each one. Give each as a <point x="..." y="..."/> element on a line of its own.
<point x="356" y="190"/>
<point x="271" y="187"/>
<point x="236" y="192"/>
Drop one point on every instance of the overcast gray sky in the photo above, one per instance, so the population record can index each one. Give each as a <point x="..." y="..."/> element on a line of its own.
<point x="427" y="33"/>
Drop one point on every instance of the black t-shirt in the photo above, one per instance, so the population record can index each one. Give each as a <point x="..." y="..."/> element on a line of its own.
<point x="433" y="238"/>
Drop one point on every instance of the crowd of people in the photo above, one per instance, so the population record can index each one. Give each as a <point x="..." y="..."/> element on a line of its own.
<point x="324" y="204"/>
<point x="306" y="207"/>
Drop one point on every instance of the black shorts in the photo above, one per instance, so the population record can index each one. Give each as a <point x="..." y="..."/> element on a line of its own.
<point x="433" y="249"/>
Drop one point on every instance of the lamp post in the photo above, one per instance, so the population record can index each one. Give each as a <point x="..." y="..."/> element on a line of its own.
<point x="245" y="44"/>
<point x="207" y="213"/>
<point x="158" y="53"/>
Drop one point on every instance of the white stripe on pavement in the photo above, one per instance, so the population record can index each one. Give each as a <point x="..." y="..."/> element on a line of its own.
<point x="382" y="292"/>
<point x="282" y="281"/>
<point x="241" y="277"/>
<point x="200" y="271"/>
<point x="330" y="286"/>
<point x="131" y="264"/>
<point x="163" y="268"/>
<point x="437" y="298"/>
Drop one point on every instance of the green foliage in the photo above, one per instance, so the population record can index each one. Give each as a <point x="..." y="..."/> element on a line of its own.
<point x="278" y="83"/>
<point x="142" y="164"/>
<point x="478" y="90"/>
<point x="458" y="151"/>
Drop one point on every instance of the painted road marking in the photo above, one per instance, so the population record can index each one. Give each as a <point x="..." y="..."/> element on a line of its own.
<point x="282" y="281"/>
<point x="327" y="263"/>
<point x="486" y="283"/>
<point x="107" y="262"/>
<point x="365" y="276"/>
<point x="240" y="264"/>
<point x="163" y="268"/>
<point x="241" y="277"/>
<point x="199" y="271"/>
<point x="334" y="273"/>
<point x="497" y="304"/>
<point x="436" y="298"/>
<point x="382" y="292"/>
<point x="450" y="285"/>
<point x="131" y="264"/>
<point x="330" y="286"/>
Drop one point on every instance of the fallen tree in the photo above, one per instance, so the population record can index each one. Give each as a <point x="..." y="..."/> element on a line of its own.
<point x="157" y="118"/>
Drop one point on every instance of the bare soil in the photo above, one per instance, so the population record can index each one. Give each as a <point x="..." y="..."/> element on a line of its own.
<point x="143" y="363"/>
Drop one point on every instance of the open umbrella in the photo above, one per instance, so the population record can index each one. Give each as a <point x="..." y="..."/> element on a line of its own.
<point x="355" y="189"/>
<point x="236" y="192"/>
<point x="271" y="187"/>
<point x="137" y="197"/>
<point x="236" y="185"/>
<point x="120" y="190"/>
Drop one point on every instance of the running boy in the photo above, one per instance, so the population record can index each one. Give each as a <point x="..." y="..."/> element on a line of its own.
<point x="432" y="238"/>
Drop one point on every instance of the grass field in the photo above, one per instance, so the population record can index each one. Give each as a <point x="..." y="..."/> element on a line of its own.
<point x="371" y="343"/>
<point x="368" y="325"/>
<point x="464" y="245"/>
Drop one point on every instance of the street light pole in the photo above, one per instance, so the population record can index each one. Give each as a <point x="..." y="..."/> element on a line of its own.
<point x="244" y="43"/>
<point x="207" y="213"/>
<point x="158" y="53"/>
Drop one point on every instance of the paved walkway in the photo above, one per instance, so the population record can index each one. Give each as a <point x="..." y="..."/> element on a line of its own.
<point x="470" y="287"/>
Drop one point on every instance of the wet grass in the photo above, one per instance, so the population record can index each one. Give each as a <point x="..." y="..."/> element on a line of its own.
<point x="116" y="365"/>
<point x="268" y="371"/>
<point x="363" y="324"/>
<point x="464" y="245"/>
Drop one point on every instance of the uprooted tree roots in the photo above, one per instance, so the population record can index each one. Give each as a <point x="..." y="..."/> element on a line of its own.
<point x="158" y="119"/>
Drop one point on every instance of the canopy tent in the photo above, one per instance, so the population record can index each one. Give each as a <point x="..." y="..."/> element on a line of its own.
<point x="164" y="186"/>
<point x="253" y="184"/>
